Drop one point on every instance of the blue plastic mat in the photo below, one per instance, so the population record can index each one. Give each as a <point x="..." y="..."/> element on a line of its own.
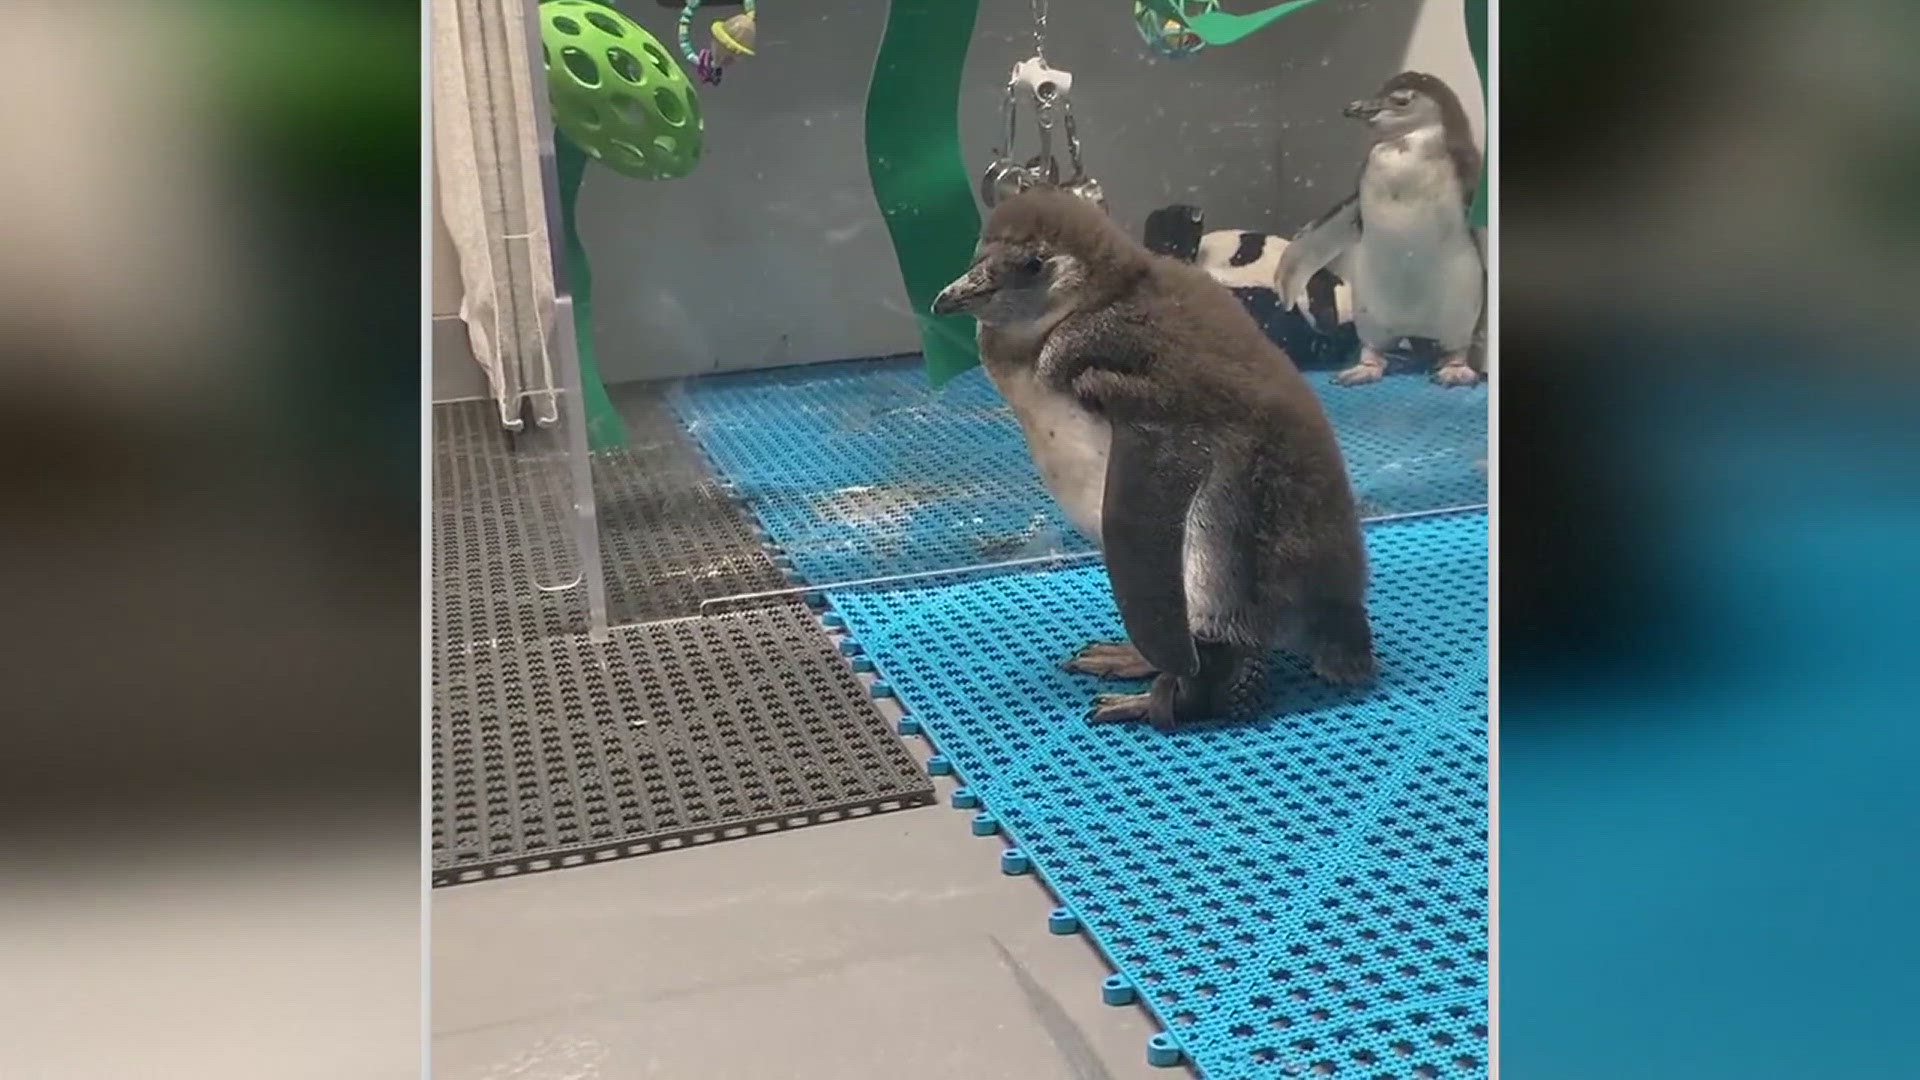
<point x="858" y="470"/>
<point x="1302" y="896"/>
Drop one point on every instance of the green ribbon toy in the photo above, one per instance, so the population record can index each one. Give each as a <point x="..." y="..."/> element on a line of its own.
<point x="1224" y="27"/>
<point x="1477" y="43"/>
<point x="918" y="171"/>
<point x="605" y="429"/>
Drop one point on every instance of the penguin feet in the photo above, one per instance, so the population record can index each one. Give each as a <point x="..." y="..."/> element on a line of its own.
<point x="1121" y="709"/>
<point x="1340" y="641"/>
<point x="1454" y="370"/>
<point x="1229" y="686"/>
<point x="1157" y="706"/>
<point x="1372" y="367"/>
<point x="1111" y="660"/>
<point x="1344" y="667"/>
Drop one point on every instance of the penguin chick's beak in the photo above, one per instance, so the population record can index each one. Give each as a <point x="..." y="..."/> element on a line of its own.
<point x="962" y="295"/>
<point x="1362" y="110"/>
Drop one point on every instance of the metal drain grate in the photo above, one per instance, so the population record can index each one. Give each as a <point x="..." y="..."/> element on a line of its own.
<point x="858" y="470"/>
<point x="556" y="751"/>
<point x="1298" y="897"/>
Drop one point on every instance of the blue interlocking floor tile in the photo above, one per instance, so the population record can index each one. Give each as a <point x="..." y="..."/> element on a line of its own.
<point x="1305" y="895"/>
<point x="859" y="470"/>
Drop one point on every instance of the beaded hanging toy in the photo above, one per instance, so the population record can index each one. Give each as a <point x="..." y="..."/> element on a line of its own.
<point x="729" y="39"/>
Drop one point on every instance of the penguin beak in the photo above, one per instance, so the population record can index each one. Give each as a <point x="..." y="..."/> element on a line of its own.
<point x="1365" y="109"/>
<point x="966" y="291"/>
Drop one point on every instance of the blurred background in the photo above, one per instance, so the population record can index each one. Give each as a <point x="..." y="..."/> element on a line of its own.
<point x="209" y="227"/>
<point x="1709" y="535"/>
<point x="210" y="293"/>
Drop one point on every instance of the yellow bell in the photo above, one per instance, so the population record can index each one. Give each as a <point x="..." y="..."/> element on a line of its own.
<point x="733" y="37"/>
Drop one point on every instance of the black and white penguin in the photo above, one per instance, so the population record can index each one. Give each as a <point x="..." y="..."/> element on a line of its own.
<point x="1183" y="441"/>
<point x="1245" y="262"/>
<point x="1248" y="263"/>
<point x="1402" y="240"/>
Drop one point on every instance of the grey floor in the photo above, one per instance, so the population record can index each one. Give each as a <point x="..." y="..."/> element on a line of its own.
<point x="863" y="948"/>
<point x="846" y="951"/>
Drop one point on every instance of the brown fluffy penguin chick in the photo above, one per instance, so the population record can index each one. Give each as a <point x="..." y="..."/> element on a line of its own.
<point x="1174" y="433"/>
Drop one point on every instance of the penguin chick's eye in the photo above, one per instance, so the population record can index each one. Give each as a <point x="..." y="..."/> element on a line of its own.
<point x="1032" y="266"/>
<point x="1401" y="97"/>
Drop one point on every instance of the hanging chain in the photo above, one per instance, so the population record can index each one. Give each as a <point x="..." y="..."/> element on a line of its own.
<point x="1011" y="108"/>
<point x="1035" y="81"/>
<point x="1073" y="144"/>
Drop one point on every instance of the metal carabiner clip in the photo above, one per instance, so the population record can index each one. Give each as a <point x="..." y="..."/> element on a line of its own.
<point x="1049" y="91"/>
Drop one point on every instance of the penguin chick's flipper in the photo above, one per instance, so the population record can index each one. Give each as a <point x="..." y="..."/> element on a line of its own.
<point x="1315" y="249"/>
<point x="1111" y="660"/>
<point x="1153" y="471"/>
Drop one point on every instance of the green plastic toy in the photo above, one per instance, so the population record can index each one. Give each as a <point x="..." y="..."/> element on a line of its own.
<point x="920" y="177"/>
<point x="1169" y="37"/>
<point x="1215" y="27"/>
<point x="617" y="93"/>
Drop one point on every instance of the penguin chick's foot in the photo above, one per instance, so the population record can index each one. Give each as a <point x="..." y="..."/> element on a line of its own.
<point x="1228" y="686"/>
<point x="1454" y="370"/>
<point x="1372" y="367"/>
<point x="1111" y="660"/>
<point x="1120" y="708"/>
<point x="1344" y="667"/>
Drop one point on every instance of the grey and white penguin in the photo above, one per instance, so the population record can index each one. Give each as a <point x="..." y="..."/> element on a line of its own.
<point x="1184" y="442"/>
<point x="1403" y="240"/>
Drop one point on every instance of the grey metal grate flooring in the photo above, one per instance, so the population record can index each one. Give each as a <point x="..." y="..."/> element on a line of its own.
<point x="671" y="535"/>
<point x="501" y="546"/>
<point x="551" y="750"/>
<point x="559" y="751"/>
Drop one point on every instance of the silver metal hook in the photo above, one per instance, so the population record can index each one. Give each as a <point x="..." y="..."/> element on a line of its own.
<point x="1049" y="91"/>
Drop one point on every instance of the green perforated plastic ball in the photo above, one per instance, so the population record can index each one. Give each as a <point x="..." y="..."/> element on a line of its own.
<point x="1166" y="37"/>
<point x="617" y="92"/>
